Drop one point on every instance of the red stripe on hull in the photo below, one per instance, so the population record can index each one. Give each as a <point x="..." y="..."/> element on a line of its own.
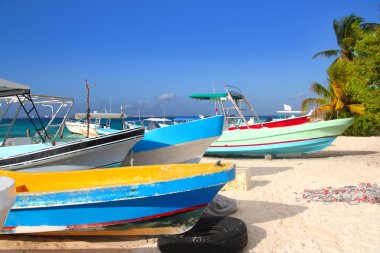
<point x="270" y="143"/>
<point x="104" y="224"/>
<point x="279" y="123"/>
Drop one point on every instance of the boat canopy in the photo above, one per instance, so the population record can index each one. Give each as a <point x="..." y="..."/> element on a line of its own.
<point x="215" y="96"/>
<point x="97" y="115"/>
<point x="8" y="88"/>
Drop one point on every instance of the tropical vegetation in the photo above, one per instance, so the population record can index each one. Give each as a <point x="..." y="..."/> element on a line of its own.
<point x="353" y="83"/>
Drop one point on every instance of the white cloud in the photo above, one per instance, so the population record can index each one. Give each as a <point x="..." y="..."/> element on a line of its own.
<point x="166" y="96"/>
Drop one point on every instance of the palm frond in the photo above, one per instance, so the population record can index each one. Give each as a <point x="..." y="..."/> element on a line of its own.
<point x="356" y="108"/>
<point x="322" y="112"/>
<point x="311" y="103"/>
<point x="320" y="90"/>
<point x="337" y="89"/>
<point x="327" y="53"/>
<point x="339" y="105"/>
<point x="343" y="27"/>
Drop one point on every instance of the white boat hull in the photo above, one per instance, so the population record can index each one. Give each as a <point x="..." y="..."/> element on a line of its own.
<point x="7" y="197"/>
<point x="80" y="128"/>
<point x="189" y="152"/>
<point x="105" y="151"/>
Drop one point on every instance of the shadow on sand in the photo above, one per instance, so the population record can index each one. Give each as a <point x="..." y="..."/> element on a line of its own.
<point x="261" y="171"/>
<point x="254" y="212"/>
<point x="49" y="243"/>
<point x="320" y="154"/>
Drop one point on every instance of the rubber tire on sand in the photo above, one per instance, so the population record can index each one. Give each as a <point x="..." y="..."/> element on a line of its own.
<point x="210" y="234"/>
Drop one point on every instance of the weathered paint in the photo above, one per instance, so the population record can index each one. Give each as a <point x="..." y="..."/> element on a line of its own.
<point x="171" y="224"/>
<point x="122" y="196"/>
<point x="74" y="180"/>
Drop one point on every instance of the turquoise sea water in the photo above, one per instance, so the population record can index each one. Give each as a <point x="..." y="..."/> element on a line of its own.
<point x="21" y="126"/>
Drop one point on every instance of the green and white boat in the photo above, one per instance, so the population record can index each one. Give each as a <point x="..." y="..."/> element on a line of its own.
<point x="295" y="139"/>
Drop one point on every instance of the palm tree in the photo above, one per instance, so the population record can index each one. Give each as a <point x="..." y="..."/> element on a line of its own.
<point x="345" y="36"/>
<point x="333" y="98"/>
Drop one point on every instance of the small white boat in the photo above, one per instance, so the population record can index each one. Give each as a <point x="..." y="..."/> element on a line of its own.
<point x="153" y="123"/>
<point x="7" y="197"/>
<point x="79" y="126"/>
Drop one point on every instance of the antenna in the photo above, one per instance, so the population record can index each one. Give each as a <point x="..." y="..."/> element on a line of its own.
<point x="138" y="109"/>
<point x="215" y="105"/>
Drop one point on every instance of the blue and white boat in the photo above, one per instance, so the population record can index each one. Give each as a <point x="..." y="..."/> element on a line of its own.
<point x="177" y="143"/>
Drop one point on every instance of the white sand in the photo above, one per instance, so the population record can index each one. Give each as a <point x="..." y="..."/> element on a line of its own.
<point x="276" y="221"/>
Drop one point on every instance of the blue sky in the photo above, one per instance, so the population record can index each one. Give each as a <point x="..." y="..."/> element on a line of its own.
<point x="155" y="53"/>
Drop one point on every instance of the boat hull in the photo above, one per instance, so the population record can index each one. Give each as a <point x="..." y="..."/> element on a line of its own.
<point x="178" y="143"/>
<point x="130" y="206"/>
<point x="78" y="155"/>
<point x="305" y="138"/>
<point x="7" y="197"/>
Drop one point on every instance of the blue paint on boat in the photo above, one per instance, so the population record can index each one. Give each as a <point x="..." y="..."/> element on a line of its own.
<point x="103" y="131"/>
<point x="8" y="151"/>
<point x="293" y="147"/>
<point x="112" y="204"/>
<point x="180" y="133"/>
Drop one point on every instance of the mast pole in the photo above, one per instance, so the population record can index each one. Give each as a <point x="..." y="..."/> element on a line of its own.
<point x="88" y="87"/>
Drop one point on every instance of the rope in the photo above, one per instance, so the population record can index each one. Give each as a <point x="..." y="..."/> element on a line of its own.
<point x="353" y="195"/>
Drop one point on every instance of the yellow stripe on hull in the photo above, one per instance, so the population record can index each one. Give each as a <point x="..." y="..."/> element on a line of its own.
<point x="73" y="180"/>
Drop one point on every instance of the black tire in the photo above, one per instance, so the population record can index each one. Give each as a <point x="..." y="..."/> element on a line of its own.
<point x="210" y="234"/>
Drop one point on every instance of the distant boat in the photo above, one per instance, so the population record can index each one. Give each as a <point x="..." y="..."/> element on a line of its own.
<point x="292" y="139"/>
<point x="79" y="126"/>
<point x="148" y="200"/>
<point x="48" y="155"/>
<point x="7" y="197"/>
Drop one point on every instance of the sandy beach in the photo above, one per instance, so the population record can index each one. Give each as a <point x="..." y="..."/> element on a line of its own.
<point x="277" y="220"/>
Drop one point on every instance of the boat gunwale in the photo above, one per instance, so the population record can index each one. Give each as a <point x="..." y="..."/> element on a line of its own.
<point x="91" y="142"/>
<point x="227" y="172"/>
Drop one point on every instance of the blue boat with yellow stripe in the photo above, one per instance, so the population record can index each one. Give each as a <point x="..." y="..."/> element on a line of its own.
<point x="140" y="200"/>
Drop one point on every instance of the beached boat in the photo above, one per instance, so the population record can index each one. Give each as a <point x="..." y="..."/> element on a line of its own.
<point x="175" y="143"/>
<point x="49" y="155"/>
<point x="7" y="197"/>
<point x="160" y="199"/>
<point x="296" y="139"/>
<point x="179" y="143"/>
